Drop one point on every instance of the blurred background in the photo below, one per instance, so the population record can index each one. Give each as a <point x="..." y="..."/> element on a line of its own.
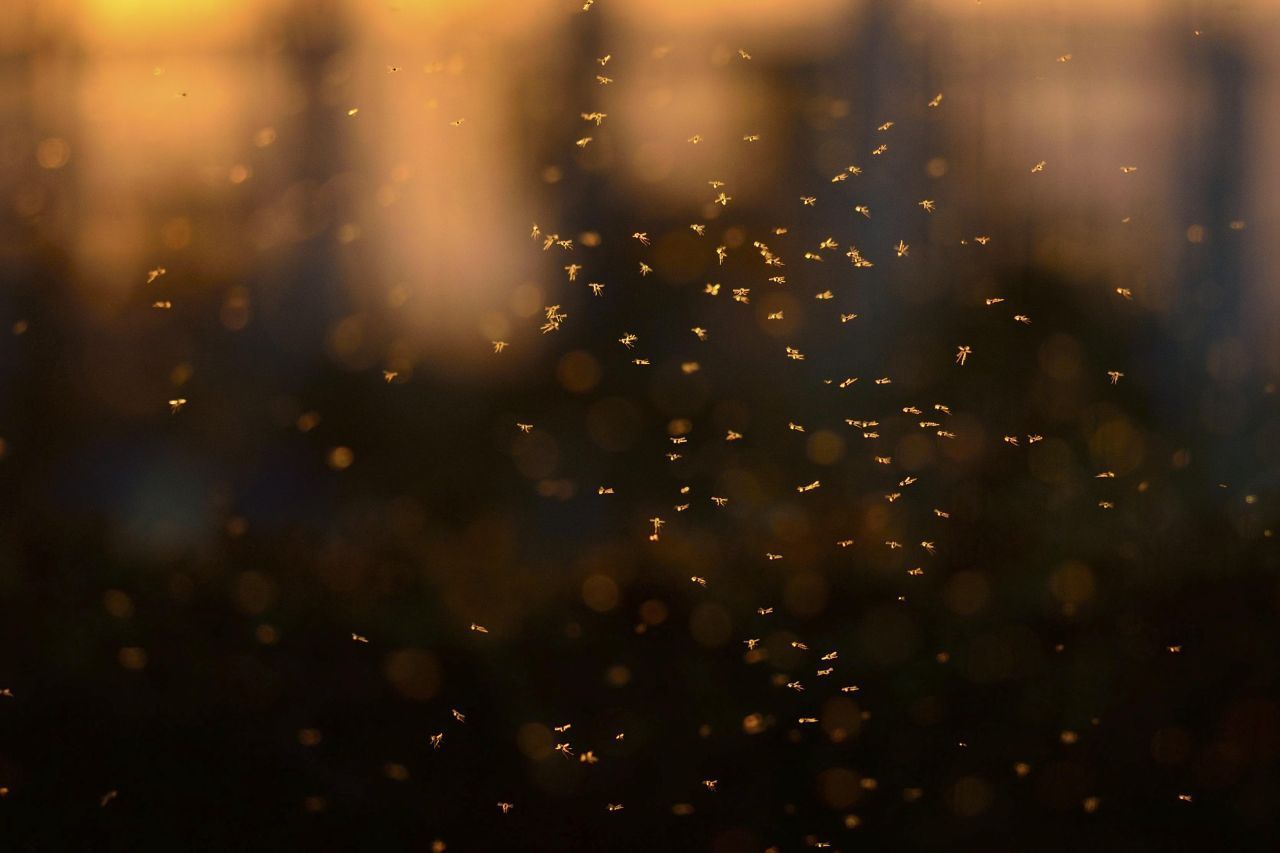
<point x="261" y="477"/>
